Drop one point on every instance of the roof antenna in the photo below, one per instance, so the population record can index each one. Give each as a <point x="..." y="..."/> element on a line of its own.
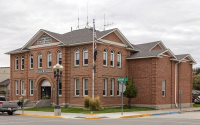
<point x="87" y="25"/>
<point x="78" y="20"/>
<point x="106" y="25"/>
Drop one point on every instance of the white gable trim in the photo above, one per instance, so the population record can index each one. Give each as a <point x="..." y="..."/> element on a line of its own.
<point x="190" y="57"/>
<point x="161" y="44"/>
<point x="35" y="37"/>
<point x="43" y="45"/>
<point x="120" y="36"/>
<point x="113" y="43"/>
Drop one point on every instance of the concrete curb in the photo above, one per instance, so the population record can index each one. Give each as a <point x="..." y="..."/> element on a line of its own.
<point x="146" y="115"/>
<point x="92" y="118"/>
<point x="43" y="116"/>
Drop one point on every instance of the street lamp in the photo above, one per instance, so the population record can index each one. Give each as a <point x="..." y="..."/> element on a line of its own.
<point x="57" y="73"/>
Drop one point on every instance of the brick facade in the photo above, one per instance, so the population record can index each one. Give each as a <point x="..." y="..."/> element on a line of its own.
<point x="147" y="74"/>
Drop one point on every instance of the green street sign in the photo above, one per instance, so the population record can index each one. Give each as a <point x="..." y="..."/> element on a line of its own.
<point x="122" y="82"/>
<point x="122" y="79"/>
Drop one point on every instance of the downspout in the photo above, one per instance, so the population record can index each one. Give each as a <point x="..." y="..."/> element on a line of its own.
<point x="176" y="105"/>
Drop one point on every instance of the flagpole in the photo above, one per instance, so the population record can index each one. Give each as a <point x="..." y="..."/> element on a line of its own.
<point x="93" y="63"/>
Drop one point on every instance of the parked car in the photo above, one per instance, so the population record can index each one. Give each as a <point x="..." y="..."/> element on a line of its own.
<point x="197" y="100"/>
<point x="8" y="106"/>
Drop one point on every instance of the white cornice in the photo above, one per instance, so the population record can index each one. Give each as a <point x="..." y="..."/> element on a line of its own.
<point x="113" y="43"/>
<point x="43" y="45"/>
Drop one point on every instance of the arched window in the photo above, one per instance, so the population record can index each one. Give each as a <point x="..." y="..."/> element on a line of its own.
<point x="85" y="56"/>
<point x="31" y="61"/>
<point x="105" y="57"/>
<point x="76" y="57"/>
<point x="119" y="59"/>
<point x="39" y="60"/>
<point x="112" y="58"/>
<point x="59" y="57"/>
<point x="49" y="59"/>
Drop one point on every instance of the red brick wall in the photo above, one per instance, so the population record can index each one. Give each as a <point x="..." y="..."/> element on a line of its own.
<point x="113" y="37"/>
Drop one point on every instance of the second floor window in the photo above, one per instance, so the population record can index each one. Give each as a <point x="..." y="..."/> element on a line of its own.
<point x="59" y="57"/>
<point x="105" y="57"/>
<point x="16" y="63"/>
<point x="76" y="57"/>
<point x="49" y="59"/>
<point x="119" y="59"/>
<point x="112" y="59"/>
<point x="31" y="61"/>
<point x="22" y="63"/>
<point x="85" y="57"/>
<point x="39" y="60"/>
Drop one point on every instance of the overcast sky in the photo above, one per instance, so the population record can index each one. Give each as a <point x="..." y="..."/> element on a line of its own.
<point x="175" y="22"/>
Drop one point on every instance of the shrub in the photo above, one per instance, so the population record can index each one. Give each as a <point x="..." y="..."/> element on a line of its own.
<point x="86" y="101"/>
<point x="95" y="104"/>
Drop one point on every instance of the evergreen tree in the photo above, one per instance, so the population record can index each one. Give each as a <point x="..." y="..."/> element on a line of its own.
<point x="131" y="91"/>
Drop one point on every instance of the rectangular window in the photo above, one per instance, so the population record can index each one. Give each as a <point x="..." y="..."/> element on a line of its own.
<point x="16" y="87"/>
<point x="76" y="58"/>
<point x="112" y="59"/>
<point x="118" y="87"/>
<point x="40" y="60"/>
<point x="85" y="86"/>
<point x="22" y="63"/>
<point x="16" y="63"/>
<point x="76" y="87"/>
<point x="119" y="60"/>
<point x="105" y="87"/>
<point x="31" y="61"/>
<point x="163" y="88"/>
<point x="112" y="86"/>
<point x="60" y="88"/>
<point x="49" y="59"/>
<point x="105" y="57"/>
<point x="31" y="87"/>
<point x="22" y="87"/>
<point x="85" y="57"/>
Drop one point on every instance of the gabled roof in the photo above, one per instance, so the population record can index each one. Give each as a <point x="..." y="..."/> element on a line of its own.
<point x="182" y="57"/>
<point x="145" y="50"/>
<point x="74" y="37"/>
<point x="5" y="82"/>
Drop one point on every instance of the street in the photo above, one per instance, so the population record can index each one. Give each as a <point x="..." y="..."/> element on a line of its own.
<point x="186" y="118"/>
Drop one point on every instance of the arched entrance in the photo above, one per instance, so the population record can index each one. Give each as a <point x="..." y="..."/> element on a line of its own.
<point x="45" y="90"/>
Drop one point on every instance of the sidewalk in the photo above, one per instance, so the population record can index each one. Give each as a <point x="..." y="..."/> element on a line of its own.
<point x="106" y="115"/>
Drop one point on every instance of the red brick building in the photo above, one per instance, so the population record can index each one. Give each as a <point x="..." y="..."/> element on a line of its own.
<point x="157" y="72"/>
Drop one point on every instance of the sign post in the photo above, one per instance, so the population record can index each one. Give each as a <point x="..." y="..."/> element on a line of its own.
<point x="23" y="101"/>
<point x="122" y="81"/>
<point x="180" y="100"/>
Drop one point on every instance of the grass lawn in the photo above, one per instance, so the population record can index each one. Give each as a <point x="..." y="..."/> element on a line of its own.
<point x="196" y="105"/>
<point x="80" y="110"/>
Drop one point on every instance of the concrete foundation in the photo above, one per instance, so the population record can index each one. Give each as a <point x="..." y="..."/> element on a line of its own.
<point x="57" y="112"/>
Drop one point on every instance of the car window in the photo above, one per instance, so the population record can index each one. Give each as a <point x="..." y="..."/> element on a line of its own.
<point x="2" y="99"/>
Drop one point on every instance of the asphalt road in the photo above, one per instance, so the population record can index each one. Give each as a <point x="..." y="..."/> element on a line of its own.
<point x="188" y="118"/>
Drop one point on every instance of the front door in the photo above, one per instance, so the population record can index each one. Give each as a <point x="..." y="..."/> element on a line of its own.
<point x="45" y="92"/>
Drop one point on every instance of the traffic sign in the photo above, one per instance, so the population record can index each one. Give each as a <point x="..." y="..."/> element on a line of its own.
<point x="122" y="79"/>
<point x="122" y="82"/>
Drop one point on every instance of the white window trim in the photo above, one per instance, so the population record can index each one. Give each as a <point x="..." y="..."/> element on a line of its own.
<point x="16" y="88"/>
<point x="31" y="57"/>
<point x="113" y="86"/>
<point x="113" y="58"/>
<point x="106" y="58"/>
<point x="59" y="53"/>
<point x="31" y="82"/>
<point x="48" y="59"/>
<point x="84" y="87"/>
<point x="106" y="83"/>
<point x="22" y="87"/>
<point x="22" y="58"/>
<point x="119" y="56"/>
<point x="84" y="51"/>
<point x="163" y="86"/>
<point x="39" y="60"/>
<point x="76" y="86"/>
<point x="16" y="63"/>
<point x="76" y="52"/>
